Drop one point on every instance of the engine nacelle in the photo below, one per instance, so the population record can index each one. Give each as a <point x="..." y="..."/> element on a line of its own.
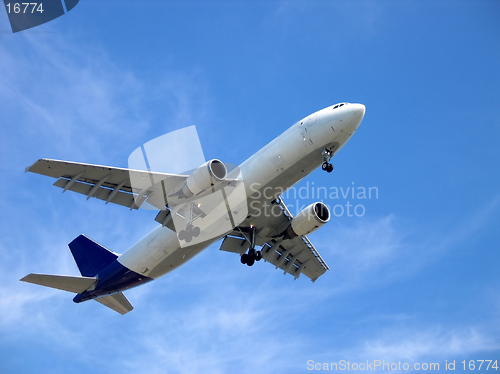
<point x="308" y="220"/>
<point x="206" y="176"/>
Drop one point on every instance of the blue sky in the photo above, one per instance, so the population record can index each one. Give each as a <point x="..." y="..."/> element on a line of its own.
<point x="413" y="280"/>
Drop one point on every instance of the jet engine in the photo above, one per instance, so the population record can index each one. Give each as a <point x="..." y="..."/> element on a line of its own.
<point x="308" y="220"/>
<point x="206" y="176"/>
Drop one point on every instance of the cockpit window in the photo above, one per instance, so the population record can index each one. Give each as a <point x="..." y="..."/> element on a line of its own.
<point x="339" y="105"/>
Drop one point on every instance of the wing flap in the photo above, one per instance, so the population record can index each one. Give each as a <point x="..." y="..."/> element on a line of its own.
<point x="119" y="198"/>
<point x="91" y="173"/>
<point x="295" y="258"/>
<point x="235" y="245"/>
<point x="118" y="302"/>
<point x="165" y="218"/>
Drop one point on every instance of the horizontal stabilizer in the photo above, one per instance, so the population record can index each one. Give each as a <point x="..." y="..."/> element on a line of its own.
<point x="61" y="282"/>
<point x="118" y="302"/>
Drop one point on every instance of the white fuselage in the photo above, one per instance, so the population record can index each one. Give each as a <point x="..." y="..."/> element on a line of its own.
<point x="276" y="167"/>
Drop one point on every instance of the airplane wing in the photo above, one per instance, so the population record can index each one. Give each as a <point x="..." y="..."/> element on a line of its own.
<point x="294" y="256"/>
<point x="113" y="185"/>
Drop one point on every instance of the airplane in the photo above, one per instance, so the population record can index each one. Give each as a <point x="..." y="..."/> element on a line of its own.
<point x="279" y="238"/>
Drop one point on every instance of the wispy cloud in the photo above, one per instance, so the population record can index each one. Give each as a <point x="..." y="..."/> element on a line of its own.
<point x="66" y="99"/>
<point x="213" y="314"/>
<point x="84" y="106"/>
<point x="414" y="344"/>
<point x="373" y="251"/>
<point x="419" y="344"/>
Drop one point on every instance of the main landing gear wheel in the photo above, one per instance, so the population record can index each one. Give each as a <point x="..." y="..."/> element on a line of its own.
<point x="196" y="231"/>
<point x="250" y="257"/>
<point x="327" y="167"/>
<point x="190" y="233"/>
<point x="258" y="256"/>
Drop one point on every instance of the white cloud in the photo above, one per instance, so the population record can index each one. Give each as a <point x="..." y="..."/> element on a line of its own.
<point x="211" y="315"/>
<point x="372" y="252"/>
<point x="66" y="98"/>
<point x="425" y="344"/>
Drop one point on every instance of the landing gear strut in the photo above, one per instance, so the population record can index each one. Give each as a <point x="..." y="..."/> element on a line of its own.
<point x="252" y="255"/>
<point x="327" y="156"/>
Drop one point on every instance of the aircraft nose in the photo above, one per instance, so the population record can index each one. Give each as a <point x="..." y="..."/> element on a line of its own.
<point x="359" y="110"/>
<point x="356" y="114"/>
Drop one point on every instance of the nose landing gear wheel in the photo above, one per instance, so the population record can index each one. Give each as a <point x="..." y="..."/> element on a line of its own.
<point x="327" y="167"/>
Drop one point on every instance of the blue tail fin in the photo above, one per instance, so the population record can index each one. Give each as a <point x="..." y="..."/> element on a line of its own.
<point x="90" y="256"/>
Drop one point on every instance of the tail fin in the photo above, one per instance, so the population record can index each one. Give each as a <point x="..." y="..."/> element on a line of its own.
<point x="61" y="282"/>
<point x="91" y="257"/>
<point x="118" y="302"/>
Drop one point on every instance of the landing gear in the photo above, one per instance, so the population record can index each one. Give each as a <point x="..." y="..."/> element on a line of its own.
<point x="190" y="233"/>
<point x="327" y="156"/>
<point x="252" y="255"/>
<point x="327" y="167"/>
<point x="256" y="255"/>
